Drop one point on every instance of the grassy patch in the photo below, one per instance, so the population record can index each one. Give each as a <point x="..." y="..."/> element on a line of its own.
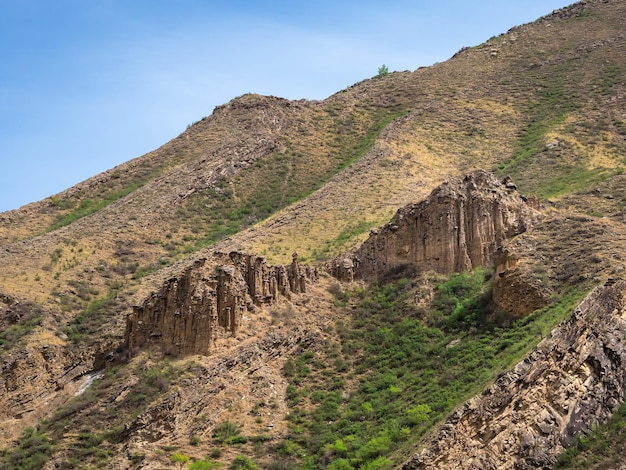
<point x="91" y="319"/>
<point x="278" y="180"/>
<point x="549" y="109"/>
<point x="399" y="370"/>
<point x="23" y="320"/>
<point x="342" y="241"/>
<point x="32" y="452"/>
<point x="551" y="170"/>
<point x="567" y="179"/>
<point x="89" y="206"/>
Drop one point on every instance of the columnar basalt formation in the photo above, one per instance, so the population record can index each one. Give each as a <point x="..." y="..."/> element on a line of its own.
<point x="458" y="227"/>
<point x="208" y="299"/>
<point x="530" y="414"/>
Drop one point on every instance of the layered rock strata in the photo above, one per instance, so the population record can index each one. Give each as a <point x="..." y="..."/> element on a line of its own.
<point x="529" y="415"/>
<point x="458" y="227"/>
<point x="208" y="300"/>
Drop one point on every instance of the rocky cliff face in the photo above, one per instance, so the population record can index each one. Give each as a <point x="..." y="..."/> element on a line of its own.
<point x="458" y="227"/>
<point x="525" y="419"/>
<point x="208" y="299"/>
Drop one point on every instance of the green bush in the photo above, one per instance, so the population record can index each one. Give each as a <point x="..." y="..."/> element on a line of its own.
<point x="180" y="459"/>
<point x="410" y="368"/>
<point x="33" y="451"/>
<point x="382" y="71"/>
<point x="206" y="464"/>
<point x="242" y="462"/>
<point x="228" y="433"/>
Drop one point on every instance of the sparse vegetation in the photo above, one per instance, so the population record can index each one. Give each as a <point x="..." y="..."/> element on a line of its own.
<point x="32" y="452"/>
<point x="228" y="433"/>
<point x="604" y="447"/>
<point x="24" y="320"/>
<point x="180" y="459"/>
<point x="89" y="206"/>
<point x="91" y="318"/>
<point x="279" y="179"/>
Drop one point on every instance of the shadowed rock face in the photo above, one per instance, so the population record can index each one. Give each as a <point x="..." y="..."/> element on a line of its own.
<point x="459" y="227"/>
<point x="208" y="300"/>
<point x="523" y="421"/>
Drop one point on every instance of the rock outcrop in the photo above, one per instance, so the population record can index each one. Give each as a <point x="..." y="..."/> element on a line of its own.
<point x="208" y="299"/>
<point x="530" y="414"/>
<point x="458" y="227"/>
<point x="518" y="290"/>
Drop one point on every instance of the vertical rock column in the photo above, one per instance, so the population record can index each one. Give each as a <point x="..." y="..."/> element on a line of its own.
<point x="458" y="227"/>
<point x="208" y="299"/>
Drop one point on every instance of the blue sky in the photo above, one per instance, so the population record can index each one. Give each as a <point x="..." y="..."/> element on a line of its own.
<point x="86" y="85"/>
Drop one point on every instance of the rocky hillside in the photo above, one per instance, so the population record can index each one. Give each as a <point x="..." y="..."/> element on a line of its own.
<point x="185" y="300"/>
<point x="527" y="417"/>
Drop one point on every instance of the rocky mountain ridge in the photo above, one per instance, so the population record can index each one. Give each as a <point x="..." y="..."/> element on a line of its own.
<point x="120" y="272"/>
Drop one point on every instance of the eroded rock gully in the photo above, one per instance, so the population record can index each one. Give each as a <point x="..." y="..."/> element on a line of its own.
<point x="208" y="299"/>
<point x="530" y="414"/>
<point x="458" y="227"/>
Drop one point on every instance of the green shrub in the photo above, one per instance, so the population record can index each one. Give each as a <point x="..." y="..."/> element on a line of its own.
<point x="228" y="433"/>
<point x="242" y="462"/>
<point x="180" y="459"/>
<point x="32" y="452"/>
<point x="381" y="463"/>
<point x="410" y="368"/>
<point x="382" y="71"/>
<point x="205" y="464"/>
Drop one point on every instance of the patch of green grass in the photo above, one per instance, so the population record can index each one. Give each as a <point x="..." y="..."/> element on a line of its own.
<point x="90" y="320"/>
<point x="229" y="433"/>
<point x="567" y="179"/>
<point x="28" y="317"/>
<point x="408" y="369"/>
<point x="612" y="75"/>
<point x="33" y="450"/>
<point x="343" y="240"/>
<point x="86" y="207"/>
<point x="551" y="106"/>
<point x="90" y="205"/>
<point x="550" y="172"/>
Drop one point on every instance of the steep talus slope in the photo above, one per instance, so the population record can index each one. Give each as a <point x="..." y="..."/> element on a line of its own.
<point x="524" y="420"/>
<point x="543" y="103"/>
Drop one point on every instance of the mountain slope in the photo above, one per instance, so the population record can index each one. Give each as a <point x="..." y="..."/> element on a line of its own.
<point x="542" y="103"/>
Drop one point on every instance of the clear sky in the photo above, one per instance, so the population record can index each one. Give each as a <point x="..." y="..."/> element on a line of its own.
<point x="88" y="84"/>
